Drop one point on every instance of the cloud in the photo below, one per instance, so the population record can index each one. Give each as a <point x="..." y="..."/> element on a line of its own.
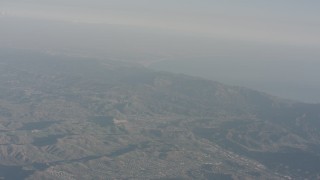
<point x="3" y="13"/>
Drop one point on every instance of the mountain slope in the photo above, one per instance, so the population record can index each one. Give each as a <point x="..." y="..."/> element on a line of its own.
<point x="76" y="118"/>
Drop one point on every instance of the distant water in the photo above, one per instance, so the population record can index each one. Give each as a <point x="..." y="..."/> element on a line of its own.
<point x="291" y="79"/>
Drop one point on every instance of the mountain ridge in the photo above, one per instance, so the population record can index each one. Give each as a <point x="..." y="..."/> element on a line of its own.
<point x="84" y="119"/>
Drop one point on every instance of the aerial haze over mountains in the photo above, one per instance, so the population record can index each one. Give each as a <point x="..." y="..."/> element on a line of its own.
<point x="225" y="35"/>
<point x="159" y="89"/>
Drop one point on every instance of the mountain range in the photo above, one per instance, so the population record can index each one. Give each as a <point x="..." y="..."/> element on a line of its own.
<point x="64" y="117"/>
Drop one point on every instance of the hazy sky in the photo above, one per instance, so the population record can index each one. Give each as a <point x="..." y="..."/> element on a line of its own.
<point x="293" y="22"/>
<point x="275" y="43"/>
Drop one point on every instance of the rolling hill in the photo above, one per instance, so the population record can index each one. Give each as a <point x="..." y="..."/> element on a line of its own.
<point x="78" y="118"/>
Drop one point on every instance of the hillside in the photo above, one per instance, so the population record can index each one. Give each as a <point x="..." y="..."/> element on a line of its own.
<point x="79" y="118"/>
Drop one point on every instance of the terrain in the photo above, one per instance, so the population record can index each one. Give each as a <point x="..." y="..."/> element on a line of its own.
<point x="78" y="118"/>
<point x="291" y="78"/>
